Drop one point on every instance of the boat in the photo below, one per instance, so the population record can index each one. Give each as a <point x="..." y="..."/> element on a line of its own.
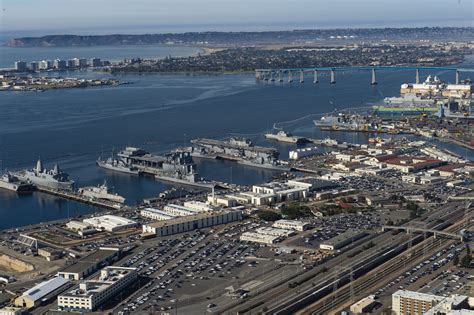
<point x="337" y="122"/>
<point x="101" y="192"/>
<point x="283" y="136"/>
<point x="10" y="182"/>
<point x="49" y="179"/>
<point x="117" y="165"/>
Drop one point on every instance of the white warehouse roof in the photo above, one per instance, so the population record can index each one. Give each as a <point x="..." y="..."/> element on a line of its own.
<point x="39" y="291"/>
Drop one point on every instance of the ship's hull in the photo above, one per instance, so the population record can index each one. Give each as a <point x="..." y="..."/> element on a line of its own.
<point x="116" y="168"/>
<point x="285" y="139"/>
<point x="45" y="182"/>
<point x="102" y="196"/>
<point x="180" y="181"/>
<point x="20" y="188"/>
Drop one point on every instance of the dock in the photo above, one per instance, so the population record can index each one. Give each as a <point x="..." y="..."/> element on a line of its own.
<point x="71" y="195"/>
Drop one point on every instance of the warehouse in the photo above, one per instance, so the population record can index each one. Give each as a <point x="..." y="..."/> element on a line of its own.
<point x="41" y="292"/>
<point x="259" y="238"/>
<point x="156" y="214"/>
<point x="342" y="239"/>
<point x="198" y="206"/>
<point x="110" y="223"/>
<point x="191" y="222"/>
<point x="179" y="211"/>
<point x="90" y="294"/>
<point x="291" y="225"/>
<point x="275" y="232"/>
<point x="89" y="264"/>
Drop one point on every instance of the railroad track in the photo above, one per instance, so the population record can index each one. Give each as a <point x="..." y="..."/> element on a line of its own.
<point x="329" y="294"/>
<point x="371" y="281"/>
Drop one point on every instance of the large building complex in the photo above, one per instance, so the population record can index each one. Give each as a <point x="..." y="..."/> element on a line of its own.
<point x="90" y="294"/>
<point x="191" y="222"/>
<point x="342" y="239"/>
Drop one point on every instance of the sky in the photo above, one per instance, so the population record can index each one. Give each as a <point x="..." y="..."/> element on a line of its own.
<point x="158" y="16"/>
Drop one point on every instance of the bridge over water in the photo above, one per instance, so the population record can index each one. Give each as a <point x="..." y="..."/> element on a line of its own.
<point x="279" y="74"/>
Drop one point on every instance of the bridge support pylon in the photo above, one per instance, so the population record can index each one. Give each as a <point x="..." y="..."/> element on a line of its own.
<point x="417" y="77"/>
<point x="301" y="76"/>
<point x="290" y="77"/>
<point x="333" y="77"/>
<point x="457" y="77"/>
<point x="316" y="80"/>
<point x="374" y="79"/>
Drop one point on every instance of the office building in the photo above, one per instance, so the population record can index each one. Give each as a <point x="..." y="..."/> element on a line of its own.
<point x="59" y="64"/>
<point x="156" y="214"/>
<point x="90" y="294"/>
<point x="95" y="62"/>
<point x="21" y="66"/>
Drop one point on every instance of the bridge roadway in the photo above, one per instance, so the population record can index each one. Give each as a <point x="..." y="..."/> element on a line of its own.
<point x="410" y="229"/>
<point x="281" y="296"/>
<point x="269" y="74"/>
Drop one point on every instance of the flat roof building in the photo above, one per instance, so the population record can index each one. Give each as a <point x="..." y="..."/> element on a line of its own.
<point x="156" y="214"/>
<point x="259" y="238"/>
<point x="342" y="240"/>
<point x="110" y="223"/>
<point x="41" y="292"/>
<point x="363" y="306"/>
<point x="90" y="263"/>
<point x="291" y="225"/>
<point x="90" y="294"/>
<point x="192" y="222"/>
<point x="410" y="302"/>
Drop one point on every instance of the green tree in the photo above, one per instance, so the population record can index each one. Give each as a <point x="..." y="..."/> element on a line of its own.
<point x="269" y="215"/>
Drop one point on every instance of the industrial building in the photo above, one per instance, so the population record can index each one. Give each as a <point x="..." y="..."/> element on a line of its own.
<point x="156" y="214"/>
<point x="179" y="211"/>
<point x="41" y="293"/>
<point x="90" y="294"/>
<point x="342" y="240"/>
<point x="91" y="263"/>
<point x="191" y="222"/>
<point x="274" y="231"/>
<point x="259" y="238"/>
<point x="110" y="223"/>
<point x="198" y="206"/>
<point x="291" y="225"/>
<point x="81" y="228"/>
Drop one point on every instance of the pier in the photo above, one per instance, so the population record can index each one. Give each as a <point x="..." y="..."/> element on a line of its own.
<point x="270" y="74"/>
<point x="71" y="195"/>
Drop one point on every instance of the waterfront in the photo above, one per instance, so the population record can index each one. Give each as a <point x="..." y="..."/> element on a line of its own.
<point x="159" y="113"/>
<point x="8" y="55"/>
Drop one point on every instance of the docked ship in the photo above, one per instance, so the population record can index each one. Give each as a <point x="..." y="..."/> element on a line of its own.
<point x="117" y="165"/>
<point x="10" y="182"/>
<point x="344" y="122"/>
<point x="50" y="179"/>
<point x="283" y="136"/>
<point x="240" y="150"/>
<point x="101" y="192"/>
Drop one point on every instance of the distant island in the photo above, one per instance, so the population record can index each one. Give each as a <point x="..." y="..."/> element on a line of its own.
<point x="350" y="35"/>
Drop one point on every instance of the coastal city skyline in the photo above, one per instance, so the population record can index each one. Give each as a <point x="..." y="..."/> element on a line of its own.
<point x="237" y="157"/>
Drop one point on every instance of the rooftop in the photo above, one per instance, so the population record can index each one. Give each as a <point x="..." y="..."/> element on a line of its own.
<point x="39" y="291"/>
<point x="187" y="218"/>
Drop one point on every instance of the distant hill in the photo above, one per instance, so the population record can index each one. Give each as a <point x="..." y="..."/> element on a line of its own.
<point x="238" y="38"/>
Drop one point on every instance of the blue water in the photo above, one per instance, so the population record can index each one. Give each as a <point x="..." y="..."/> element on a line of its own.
<point x="159" y="112"/>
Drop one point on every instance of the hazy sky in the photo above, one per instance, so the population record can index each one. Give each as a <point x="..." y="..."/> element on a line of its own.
<point x="108" y="16"/>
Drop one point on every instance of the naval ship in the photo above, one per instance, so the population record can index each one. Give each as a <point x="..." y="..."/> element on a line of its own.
<point x="101" y="192"/>
<point x="42" y="178"/>
<point x="283" y="136"/>
<point x="10" y="182"/>
<point x="117" y="165"/>
<point x="344" y="122"/>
